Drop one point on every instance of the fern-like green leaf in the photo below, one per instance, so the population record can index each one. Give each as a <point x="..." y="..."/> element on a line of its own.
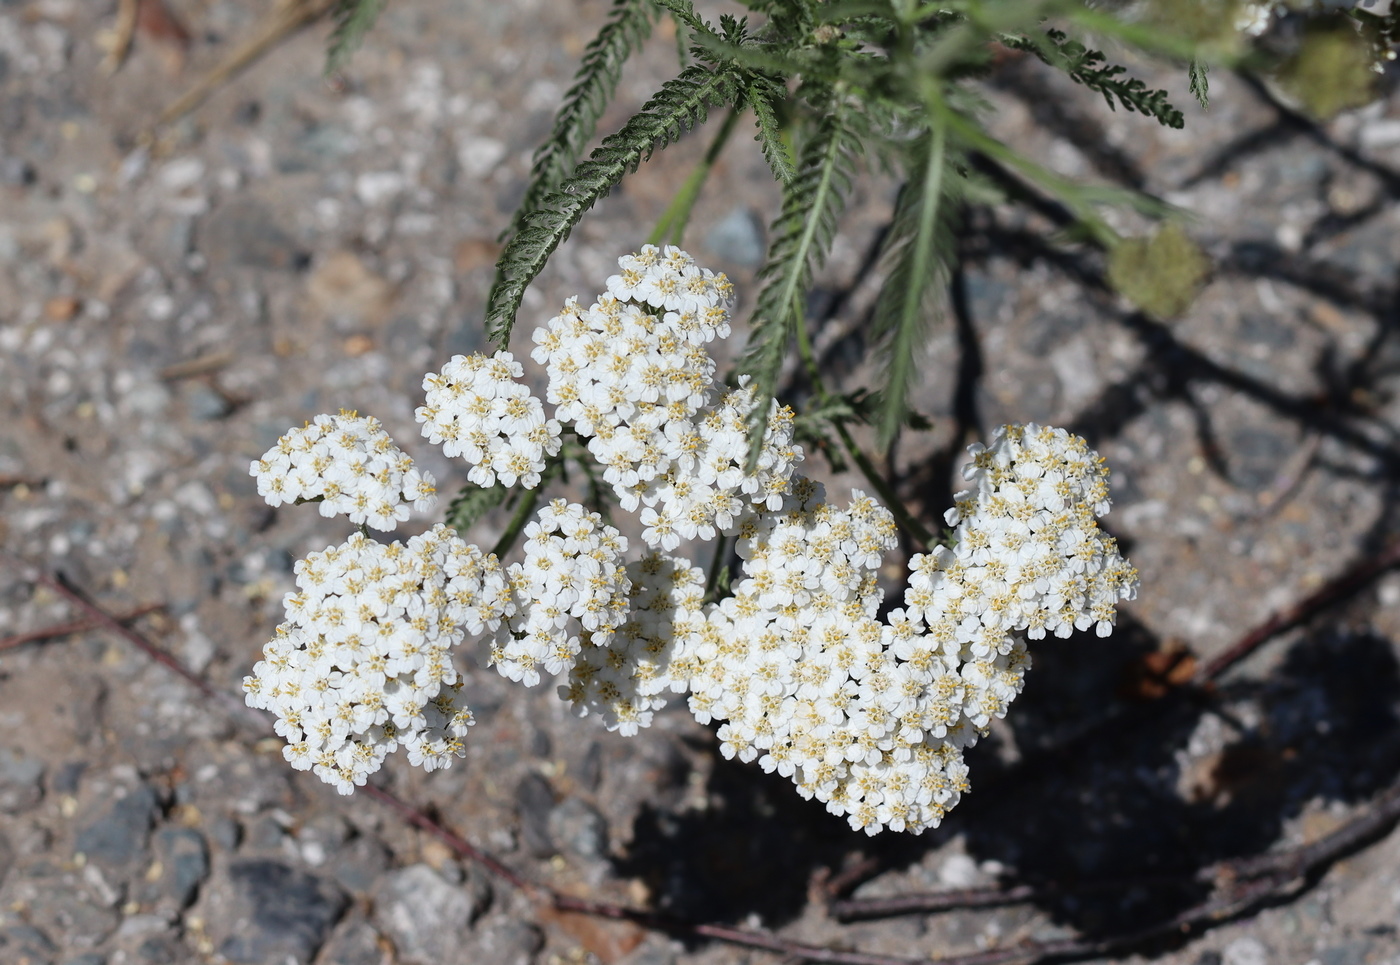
<point x="802" y="236"/>
<point x="681" y="103"/>
<point x="921" y="250"/>
<point x="627" y="28"/>
<point x="762" y="95"/>
<point x="471" y="503"/>
<point x="1087" y="66"/>
<point x="352" y="19"/>
<point x="1200" y="83"/>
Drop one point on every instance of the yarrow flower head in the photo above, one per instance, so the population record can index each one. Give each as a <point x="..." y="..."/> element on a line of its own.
<point x="475" y="409"/>
<point x="350" y="464"/>
<point x="572" y="582"/>
<point x="865" y="708"/>
<point x="363" y="665"/>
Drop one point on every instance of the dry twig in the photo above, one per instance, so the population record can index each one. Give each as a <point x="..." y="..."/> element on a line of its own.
<point x="286" y="18"/>
<point x="74" y="626"/>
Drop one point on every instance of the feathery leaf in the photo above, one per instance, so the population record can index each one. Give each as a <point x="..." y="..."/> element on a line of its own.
<point x="762" y="94"/>
<point x="1087" y="66"/>
<point x="1200" y="83"/>
<point x="681" y="103"/>
<point x="352" y="19"/>
<point x="471" y="503"/>
<point x="628" y="26"/>
<point x="802" y="235"/>
<point x="921" y="247"/>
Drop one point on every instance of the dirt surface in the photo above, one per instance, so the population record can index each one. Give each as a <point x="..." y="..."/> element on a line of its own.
<point x="168" y="308"/>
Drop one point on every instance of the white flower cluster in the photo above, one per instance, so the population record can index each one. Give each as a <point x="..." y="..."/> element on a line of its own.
<point x="475" y="409"/>
<point x="623" y="676"/>
<point x="1028" y="554"/>
<point x="351" y="465"/>
<point x="363" y="664"/>
<point x="865" y="710"/>
<point x="632" y="374"/>
<point x="572" y="582"/>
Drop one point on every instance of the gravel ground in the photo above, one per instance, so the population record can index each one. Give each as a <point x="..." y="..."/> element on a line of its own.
<point x="168" y="310"/>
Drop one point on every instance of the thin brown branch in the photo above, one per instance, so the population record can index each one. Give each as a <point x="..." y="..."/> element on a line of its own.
<point x="1344" y="586"/>
<point x="1241" y="885"/>
<point x="61" y="585"/>
<point x="74" y="626"/>
<point x="286" y="18"/>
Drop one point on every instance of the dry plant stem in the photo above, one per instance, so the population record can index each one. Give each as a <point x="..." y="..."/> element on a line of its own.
<point x="1242" y="884"/>
<point x="1339" y="589"/>
<point x="61" y="585"/>
<point x="286" y="18"/>
<point x="74" y="626"/>
<point x="123" y="32"/>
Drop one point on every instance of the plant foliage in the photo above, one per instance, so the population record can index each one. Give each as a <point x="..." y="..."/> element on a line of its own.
<point x="353" y="19"/>
<point x="835" y="87"/>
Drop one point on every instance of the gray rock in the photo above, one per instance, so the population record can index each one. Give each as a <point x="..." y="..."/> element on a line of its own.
<point x="158" y="950"/>
<point x="578" y="827"/>
<point x="67" y="776"/>
<point x="245" y="233"/>
<point x="82" y="923"/>
<point x="357" y="864"/>
<point x="185" y="859"/>
<point x="87" y="958"/>
<point x="425" y="917"/>
<point x="534" y="800"/>
<point x="355" y="943"/>
<point x="205" y="404"/>
<point x="25" y="943"/>
<point x="1349" y="953"/>
<point x="508" y="942"/>
<point x="225" y="832"/>
<point x="590" y="769"/>
<point x="1257" y="455"/>
<point x="267" y="911"/>
<point x="738" y="238"/>
<point x="17" y="172"/>
<point x="7" y="857"/>
<point x="117" y="838"/>
<point x="21" y="781"/>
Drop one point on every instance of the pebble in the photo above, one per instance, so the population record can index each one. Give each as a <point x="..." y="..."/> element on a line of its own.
<point x="117" y="838"/>
<point x="266" y="911"/>
<point x="357" y="865"/>
<point x="206" y="405"/>
<point x="184" y="858"/>
<point x="426" y="918"/>
<point x="25" y="943"/>
<point x="508" y="942"/>
<point x="578" y="827"/>
<point x="354" y="943"/>
<point x="738" y="238"/>
<point x="534" y="800"/>
<point x="21" y="781"/>
<point x="245" y="232"/>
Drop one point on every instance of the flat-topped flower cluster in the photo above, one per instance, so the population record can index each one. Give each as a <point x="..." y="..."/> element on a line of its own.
<point x="865" y="708"/>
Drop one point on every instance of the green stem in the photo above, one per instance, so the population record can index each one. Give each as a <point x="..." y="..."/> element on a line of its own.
<point x="867" y="468"/>
<point x="717" y="564"/>
<point x="862" y="461"/>
<point x="528" y="500"/>
<point x="677" y="213"/>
